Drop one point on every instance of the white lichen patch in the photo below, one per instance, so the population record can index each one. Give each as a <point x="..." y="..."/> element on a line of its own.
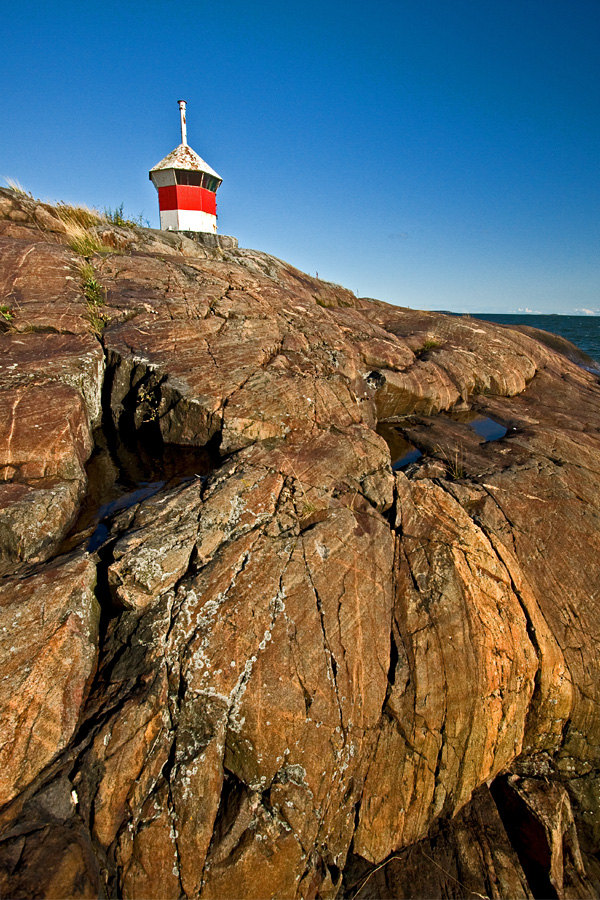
<point x="322" y="550"/>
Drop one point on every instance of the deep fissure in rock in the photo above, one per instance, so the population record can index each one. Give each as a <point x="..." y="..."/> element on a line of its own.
<point x="528" y="838"/>
<point x="131" y="461"/>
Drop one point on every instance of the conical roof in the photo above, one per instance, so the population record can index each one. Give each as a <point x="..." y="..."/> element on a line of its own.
<point x="183" y="157"/>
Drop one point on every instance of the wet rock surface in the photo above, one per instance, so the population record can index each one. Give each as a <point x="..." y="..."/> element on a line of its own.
<point x="243" y="656"/>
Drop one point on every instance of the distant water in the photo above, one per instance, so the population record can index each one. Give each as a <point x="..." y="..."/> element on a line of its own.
<point x="581" y="330"/>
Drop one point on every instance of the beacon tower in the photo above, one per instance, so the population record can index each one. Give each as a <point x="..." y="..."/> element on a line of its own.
<point x="187" y="188"/>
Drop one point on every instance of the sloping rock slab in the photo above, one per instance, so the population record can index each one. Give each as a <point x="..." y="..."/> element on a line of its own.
<point x="48" y="652"/>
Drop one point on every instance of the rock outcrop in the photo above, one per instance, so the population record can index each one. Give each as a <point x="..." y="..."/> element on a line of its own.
<point x="247" y="650"/>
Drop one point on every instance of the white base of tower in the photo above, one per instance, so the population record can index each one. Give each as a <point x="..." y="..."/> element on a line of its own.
<point x="187" y="220"/>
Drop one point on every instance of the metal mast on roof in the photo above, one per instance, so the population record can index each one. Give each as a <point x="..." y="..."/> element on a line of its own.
<point x="182" y="105"/>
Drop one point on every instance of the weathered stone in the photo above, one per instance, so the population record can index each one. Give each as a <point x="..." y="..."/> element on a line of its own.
<point x="470" y="856"/>
<point x="540" y="824"/>
<point x="183" y="377"/>
<point x="464" y="676"/>
<point x="62" y="854"/>
<point x="46" y="220"/>
<point x="41" y="283"/>
<point x="44" y="433"/>
<point x="34" y="517"/>
<point x="48" y="646"/>
<point x="156" y="551"/>
<point x="74" y="360"/>
<point x="309" y="666"/>
<point x="45" y="440"/>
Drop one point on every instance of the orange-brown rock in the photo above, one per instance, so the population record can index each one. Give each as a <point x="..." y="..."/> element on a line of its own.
<point x="44" y="433"/>
<point x="34" y="517"/>
<point x="74" y="360"/>
<point x="317" y="675"/>
<point x="45" y="441"/>
<point x="464" y="676"/>
<point x="450" y="862"/>
<point x="48" y="645"/>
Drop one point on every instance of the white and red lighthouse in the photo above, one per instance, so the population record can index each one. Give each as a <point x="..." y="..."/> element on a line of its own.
<point x="187" y="188"/>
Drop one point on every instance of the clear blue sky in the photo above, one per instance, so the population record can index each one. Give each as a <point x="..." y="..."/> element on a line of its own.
<point x="441" y="154"/>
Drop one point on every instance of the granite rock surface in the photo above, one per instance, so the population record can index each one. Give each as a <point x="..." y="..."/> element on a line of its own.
<point x="249" y="647"/>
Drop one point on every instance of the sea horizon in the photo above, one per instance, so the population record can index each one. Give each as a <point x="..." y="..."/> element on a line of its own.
<point x="583" y="330"/>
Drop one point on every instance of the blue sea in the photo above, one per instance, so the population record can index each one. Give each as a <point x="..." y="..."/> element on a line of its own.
<point x="581" y="330"/>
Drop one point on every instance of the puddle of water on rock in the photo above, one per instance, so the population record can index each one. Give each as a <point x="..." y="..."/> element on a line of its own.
<point x="121" y="475"/>
<point x="402" y="451"/>
<point x="483" y="426"/>
<point x="408" y="458"/>
<point x="487" y="428"/>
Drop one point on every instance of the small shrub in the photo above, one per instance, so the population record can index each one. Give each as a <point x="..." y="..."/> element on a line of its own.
<point x="117" y="217"/>
<point x="149" y="396"/>
<point x="7" y="313"/>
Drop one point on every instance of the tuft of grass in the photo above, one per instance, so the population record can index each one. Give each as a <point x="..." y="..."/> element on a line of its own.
<point x="18" y="188"/>
<point x="455" y="464"/>
<point x="429" y="344"/>
<point x="79" y="222"/>
<point x="117" y="216"/>
<point x="93" y="291"/>
<point x="98" y="320"/>
<point x="79" y="216"/>
<point x="83" y="241"/>
<point x="337" y="303"/>
<point x="95" y="298"/>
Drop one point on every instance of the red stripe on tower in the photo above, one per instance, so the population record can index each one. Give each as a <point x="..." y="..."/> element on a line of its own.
<point x="187" y="196"/>
<point x="187" y="187"/>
